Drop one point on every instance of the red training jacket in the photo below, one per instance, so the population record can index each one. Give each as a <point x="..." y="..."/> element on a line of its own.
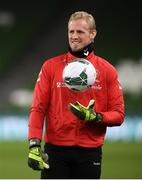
<point x="51" y="98"/>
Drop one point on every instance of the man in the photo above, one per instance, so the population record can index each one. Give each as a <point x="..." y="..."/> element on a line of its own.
<point x="75" y="122"/>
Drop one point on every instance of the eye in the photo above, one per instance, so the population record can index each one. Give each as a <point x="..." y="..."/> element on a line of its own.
<point x="71" y="32"/>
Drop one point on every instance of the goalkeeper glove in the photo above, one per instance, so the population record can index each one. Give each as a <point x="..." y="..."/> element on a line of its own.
<point x="37" y="159"/>
<point x="85" y="113"/>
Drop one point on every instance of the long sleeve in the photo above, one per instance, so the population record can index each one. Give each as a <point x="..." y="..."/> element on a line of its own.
<point x="115" y="106"/>
<point x="39" y="103"/>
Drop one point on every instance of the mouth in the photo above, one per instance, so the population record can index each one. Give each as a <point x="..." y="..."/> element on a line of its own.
<point x="75" y="42"/>
<point x="75" y="45"/>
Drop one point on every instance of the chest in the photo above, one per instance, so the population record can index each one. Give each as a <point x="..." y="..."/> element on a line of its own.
<point x="64" y="95"/>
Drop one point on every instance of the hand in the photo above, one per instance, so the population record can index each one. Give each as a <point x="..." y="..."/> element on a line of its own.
<point x="37" y="159"/>
<point x="84" y="113"/>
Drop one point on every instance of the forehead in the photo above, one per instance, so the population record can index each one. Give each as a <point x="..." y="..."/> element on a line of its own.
<point x="78" y="24"/>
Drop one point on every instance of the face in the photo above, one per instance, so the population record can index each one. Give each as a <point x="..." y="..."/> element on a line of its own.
<point x="79" y="34"/>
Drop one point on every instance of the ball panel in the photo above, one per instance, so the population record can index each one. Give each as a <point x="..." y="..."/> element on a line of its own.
<point x="79" y="74"/>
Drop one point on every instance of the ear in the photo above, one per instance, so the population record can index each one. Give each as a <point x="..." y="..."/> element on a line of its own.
<point x="93" y="34"/>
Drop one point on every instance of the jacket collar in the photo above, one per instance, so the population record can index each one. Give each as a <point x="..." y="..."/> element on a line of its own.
<point x="70" y="57"/>
<point x="84" y="52"/>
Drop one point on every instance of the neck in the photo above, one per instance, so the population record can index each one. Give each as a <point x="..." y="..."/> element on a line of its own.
<point x="83" y="52"/>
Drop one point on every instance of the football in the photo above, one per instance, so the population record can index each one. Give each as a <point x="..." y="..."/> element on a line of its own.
<point x="79" y="74"/>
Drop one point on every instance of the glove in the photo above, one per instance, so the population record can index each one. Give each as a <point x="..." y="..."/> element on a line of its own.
<point x="85" y="113"/>
<point x="37" y="159"/>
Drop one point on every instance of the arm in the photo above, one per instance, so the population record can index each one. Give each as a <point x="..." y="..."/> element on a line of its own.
<point x="114" y="115"/>
<point x="39" y="104"/>
<point x="37" y="159"/>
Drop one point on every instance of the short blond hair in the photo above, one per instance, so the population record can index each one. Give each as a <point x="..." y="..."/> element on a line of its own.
<point x="84" y="15"/>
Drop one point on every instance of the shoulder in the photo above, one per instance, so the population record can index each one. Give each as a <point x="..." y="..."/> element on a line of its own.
<point x="105" y="65"/>
<point x="52" y="64"/>
<point x="55" y="60"/>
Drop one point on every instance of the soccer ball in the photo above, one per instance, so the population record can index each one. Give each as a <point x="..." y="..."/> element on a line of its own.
<point x="79" y="74"/>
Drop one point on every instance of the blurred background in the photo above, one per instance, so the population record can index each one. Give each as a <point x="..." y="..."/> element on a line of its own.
<point x="32" y="32"/>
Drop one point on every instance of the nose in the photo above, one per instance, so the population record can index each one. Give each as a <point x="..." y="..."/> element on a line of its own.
<point x="75" y="35"/>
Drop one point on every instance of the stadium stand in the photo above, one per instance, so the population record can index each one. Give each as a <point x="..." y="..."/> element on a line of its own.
<point x="25" y="47"/>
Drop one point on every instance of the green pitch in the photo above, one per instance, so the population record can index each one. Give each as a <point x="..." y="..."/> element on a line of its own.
<point x="120" y="160"/>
